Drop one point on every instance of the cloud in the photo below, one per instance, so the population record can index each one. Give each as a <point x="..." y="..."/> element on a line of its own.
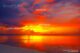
<point x="21" y="11"/>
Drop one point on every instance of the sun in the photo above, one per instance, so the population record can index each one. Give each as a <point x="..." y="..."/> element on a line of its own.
<point x="36" y="28"/>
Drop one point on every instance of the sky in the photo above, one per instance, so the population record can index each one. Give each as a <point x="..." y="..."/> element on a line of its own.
<point x="21" y="12"/>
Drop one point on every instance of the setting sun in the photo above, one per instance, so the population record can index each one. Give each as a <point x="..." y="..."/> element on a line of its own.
<point x="37" y="28"/>
<point x="49" y="29"/>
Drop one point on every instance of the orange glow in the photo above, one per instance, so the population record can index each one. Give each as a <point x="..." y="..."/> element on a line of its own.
<point x="37" y="28"/>
<point x="36" y="38"/>
<point x="32" y="39"/>
<point x="25" y="39"/>
<point x="42" y="41"/>
<point x="51" y="40"/>
<point x="49" y="0"/>
<point x="44" y="28"/>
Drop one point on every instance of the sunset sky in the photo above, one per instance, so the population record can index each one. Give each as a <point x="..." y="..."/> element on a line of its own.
<point x="59" y="13"/>
<point x="38" y="24"/>
<point x="22" y="12"/>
